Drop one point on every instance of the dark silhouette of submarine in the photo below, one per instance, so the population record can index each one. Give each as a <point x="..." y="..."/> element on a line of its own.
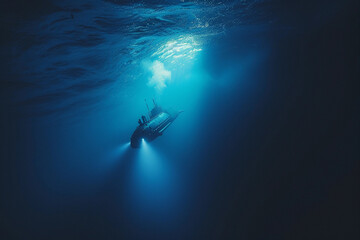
<point x="153" y="126"/>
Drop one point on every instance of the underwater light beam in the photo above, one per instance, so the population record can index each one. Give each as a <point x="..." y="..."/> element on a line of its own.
<point x="118" y="152"/>
<point x="173" y="53"/>
<point x="150" y="163"/>
<point x="153" y="187"/>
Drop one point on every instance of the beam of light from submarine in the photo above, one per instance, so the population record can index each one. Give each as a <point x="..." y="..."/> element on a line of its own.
<point x="154" y="189"/>
<point x="150" y="163"/>
<point x="118" y="152"/>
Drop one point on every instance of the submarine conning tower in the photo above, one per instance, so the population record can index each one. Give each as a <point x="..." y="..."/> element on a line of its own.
<point x="152" y="114"/>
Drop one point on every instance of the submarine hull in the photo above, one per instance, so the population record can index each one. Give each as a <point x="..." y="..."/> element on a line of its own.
<point x="152" y="129"/>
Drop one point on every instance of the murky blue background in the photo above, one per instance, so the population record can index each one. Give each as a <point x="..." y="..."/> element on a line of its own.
<point x="260" y="110"/>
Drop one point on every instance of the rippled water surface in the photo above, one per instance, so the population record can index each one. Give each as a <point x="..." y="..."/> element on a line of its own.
<point x="86" y="52"/>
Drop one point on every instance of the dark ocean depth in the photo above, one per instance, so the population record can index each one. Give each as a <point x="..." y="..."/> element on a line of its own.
<point x="267" y="146"/>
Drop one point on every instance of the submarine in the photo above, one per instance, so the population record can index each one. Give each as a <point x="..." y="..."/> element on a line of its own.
<point x="153" y="126"/>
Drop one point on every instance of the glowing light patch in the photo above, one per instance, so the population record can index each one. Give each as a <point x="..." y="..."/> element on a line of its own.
<point x="173" y="56"/>
<point x="185" y="47"/>
<point x="160" y="76"/>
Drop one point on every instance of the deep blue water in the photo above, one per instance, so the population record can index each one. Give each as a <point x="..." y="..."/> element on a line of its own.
<point x="254" y="155"/>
